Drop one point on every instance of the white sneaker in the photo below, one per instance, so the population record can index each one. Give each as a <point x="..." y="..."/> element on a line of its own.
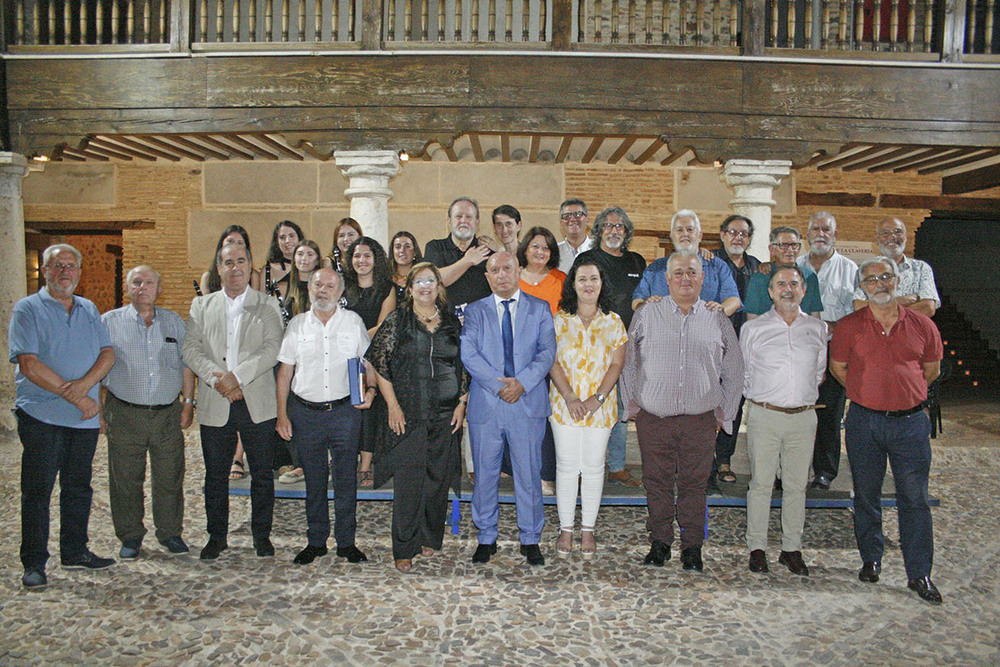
<point x="291" y="477"/>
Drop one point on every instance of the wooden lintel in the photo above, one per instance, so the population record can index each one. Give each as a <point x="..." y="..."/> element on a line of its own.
<point x="621" y="150"/>
<point x="971" y="181"/>
<point x="591" y="151"/>
<point x="650" y="151"/>
<point x="477" y="147"/>
<point x="86" y="227"/>
<point x="536" y="142"/>
<point x="564" y="147"/>
<point x="852" y="199"/>
<point x="987" y="205"/>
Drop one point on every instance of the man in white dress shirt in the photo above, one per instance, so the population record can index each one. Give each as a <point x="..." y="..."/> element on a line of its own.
<point x="838" y="278"/>
<point x="575" y="227"/>
<point x="314" y="403"/>
<point x="784" y="352"/>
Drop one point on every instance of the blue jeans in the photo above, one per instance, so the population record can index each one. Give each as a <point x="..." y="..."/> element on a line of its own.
<point x="618" y="439"/>
<point x="905" y="441"/>
<point x="50" y="450"/>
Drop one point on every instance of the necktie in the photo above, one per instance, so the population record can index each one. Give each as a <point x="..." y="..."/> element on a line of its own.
<point x="507" y="331"/>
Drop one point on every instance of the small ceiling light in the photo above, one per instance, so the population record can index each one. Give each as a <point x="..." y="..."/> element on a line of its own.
<point x="40" y="158"/>
<point x="403" y="156"/>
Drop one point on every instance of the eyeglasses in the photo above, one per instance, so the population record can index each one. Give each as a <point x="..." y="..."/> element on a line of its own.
<point x="59" y="268"/>
<point x="737" y="234"/>
<point x="425" y="282"/>
<point x="899" y="233"/>
<point x="616" y="226"/>
<point x="787" y="246"/>
<point x="573" y="215"/>
<point x="884" y="278"/>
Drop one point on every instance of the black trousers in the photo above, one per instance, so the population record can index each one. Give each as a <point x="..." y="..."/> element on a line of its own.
<point x="826" y="451"/>
<point x="218" y="445"/>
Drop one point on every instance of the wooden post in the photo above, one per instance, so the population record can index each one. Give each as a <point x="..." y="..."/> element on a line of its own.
<point x="754" y="28"/>
<point x="371" y="25"/>
<point x="562" y="24"/>
<point x="180" y="26"/>
<point x="953" y="31"/>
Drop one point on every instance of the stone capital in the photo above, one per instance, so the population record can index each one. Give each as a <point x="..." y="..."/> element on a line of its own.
<point x="13" y="168"/>
<point x="368" y="173"/>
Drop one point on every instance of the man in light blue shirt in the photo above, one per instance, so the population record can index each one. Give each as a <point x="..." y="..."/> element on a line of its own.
<point x="718" y="291"/>
<point x="62" y="351"/>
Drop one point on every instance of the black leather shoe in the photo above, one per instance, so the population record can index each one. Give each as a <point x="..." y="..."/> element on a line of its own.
<point x="533" y="554"/>
<point x="793" y="561"/>
<point x="87" y="561"/>
<point x="758" y="561"/>
<point x="309" y="554"/>
<point x="659" y="553"/>
<point x="869" y="572"/>
<point x="213" y="549"/>
<point x="926" y="589"/>
<point x="263" y="547"/>
<point x="821" y="482"/>
<point x="691" y="559"/>
<point x="483" y="553"/>
<point x="352" y="554"/>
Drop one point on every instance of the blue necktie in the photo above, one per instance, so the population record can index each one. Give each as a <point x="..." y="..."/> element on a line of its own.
<point x="507" y="331"/>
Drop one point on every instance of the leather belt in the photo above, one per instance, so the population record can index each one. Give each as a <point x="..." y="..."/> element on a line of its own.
<point x="322" y="407"/>
<point x="143" y="407"/>
<point x="787" y="411"/>
<point x="894" y="413"/>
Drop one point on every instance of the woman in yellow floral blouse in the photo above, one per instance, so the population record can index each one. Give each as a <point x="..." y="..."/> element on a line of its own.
<point x="590" y="351"/>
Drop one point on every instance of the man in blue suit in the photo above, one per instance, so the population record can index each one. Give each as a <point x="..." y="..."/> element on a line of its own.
<point x="508" y="347"/>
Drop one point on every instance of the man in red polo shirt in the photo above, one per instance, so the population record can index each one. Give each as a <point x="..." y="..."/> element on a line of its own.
<point x="886" y="356"/>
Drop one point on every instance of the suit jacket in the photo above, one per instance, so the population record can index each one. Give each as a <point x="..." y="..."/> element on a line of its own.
<point x="534" y="354"/>
<point x="205" y="350"/>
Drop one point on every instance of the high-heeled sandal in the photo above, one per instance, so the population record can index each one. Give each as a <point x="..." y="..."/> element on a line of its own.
<point x="404" y="565"/>
<point x="565" y="548"/>
<point x="587" y="550"/>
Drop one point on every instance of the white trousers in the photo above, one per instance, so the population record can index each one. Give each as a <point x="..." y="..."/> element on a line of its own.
<point x="580" y="452"/>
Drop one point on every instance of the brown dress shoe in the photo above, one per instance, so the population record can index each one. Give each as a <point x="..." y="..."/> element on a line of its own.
<point x="758" y="561"/>
<point x="793" y="561"/>
<point x="624" y="477"/>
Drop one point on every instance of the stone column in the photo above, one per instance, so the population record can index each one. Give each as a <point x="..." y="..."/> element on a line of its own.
<point x="13" y="168"/>
<point x="754" y="182"/>
<point x="369" y="173"/>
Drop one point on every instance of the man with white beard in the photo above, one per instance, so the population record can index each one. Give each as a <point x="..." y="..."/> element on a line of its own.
<point x="838" y="278"/>
<point x="887" y="355"/>
<point x="916" y="289"/>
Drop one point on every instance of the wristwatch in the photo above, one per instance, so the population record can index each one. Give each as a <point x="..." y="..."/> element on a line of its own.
<point x="193" y="402"/>
<point x="601" y="398"/>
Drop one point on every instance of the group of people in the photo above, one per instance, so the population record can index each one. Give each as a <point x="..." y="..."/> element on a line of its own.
<point x="545" y="349"/>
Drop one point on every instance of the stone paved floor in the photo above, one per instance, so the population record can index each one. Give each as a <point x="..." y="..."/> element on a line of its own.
<point x="610" y="610"/>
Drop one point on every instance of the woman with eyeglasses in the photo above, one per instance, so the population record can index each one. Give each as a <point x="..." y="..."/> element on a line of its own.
<point x="415" y="354"/>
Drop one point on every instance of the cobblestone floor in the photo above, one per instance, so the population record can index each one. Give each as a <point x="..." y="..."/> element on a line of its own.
<point x="609" y="610"/>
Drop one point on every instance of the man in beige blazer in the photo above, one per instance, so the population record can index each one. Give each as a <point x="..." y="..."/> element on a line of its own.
<point x="232" y="343"/>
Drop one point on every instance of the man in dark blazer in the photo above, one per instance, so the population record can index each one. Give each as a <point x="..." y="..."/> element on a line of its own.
<point x="508" y="347"/>
<point x="232" y="343"/>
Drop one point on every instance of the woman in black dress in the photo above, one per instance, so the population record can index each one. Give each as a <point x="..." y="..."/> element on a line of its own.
<point x="369" y="293"/>
<point x="419" y="371"/>
<point x="280" y="256"/>
<point x="404" y="252"/>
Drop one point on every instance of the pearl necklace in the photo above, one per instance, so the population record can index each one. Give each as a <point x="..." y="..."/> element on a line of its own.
<point x="425" y="318"/>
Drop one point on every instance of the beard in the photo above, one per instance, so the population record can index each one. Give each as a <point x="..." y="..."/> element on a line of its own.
<point x="324" y="306"/>
<point x="892" y="253"/>
<point x="882" y="297"/>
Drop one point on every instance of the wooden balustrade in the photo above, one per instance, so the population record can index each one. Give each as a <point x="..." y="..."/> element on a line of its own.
<point x="950" y="28"/>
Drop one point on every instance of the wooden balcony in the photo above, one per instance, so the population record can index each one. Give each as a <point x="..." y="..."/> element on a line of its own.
<point x="797" y="79"/>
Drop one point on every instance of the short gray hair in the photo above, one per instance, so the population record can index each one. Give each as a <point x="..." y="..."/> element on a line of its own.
<point x="678" y="255"/>
<point x="773" y="237"/>
<point x="142" y="267"/>
<point x="685" y="213"/>
<point x="820" y="215"/>
<point x="218" y="255"/>
<point x="880" y="259"/>
<point x="57" y="248"/>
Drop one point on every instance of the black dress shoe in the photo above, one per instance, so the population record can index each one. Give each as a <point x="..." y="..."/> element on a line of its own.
<point x="533" y="554"/>
<point x="352" y="554"/>
<point x="926" y="589"/>
<point x="659" y="553"/>
<point x="309" y="554"/>
<point x="793" y="561"/>
<point x="483" y="553"/>
<point x="213" y="549"/>
<point x="758" y="561"/>
<point x="691" y="559"/>
<point x="263" y="547"/>
<point x="869" y="572"/>
<point x="821" y="482"/>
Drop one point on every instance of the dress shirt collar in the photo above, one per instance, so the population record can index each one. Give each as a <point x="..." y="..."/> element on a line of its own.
<point x="515" y="297"/>
<point x="773" y="314"/>
<point x="237" y="301"/>
<point x="695" y="307"/>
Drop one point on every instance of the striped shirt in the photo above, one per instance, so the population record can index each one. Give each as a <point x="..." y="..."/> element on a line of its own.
<point x="148" y="369"/>
<point x="677" y="364"/>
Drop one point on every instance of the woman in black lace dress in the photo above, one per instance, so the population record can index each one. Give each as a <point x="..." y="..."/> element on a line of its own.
<point x="415" y="354"/>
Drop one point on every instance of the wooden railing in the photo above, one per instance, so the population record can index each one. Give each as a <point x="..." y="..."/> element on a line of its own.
<point x="948" y="28"/>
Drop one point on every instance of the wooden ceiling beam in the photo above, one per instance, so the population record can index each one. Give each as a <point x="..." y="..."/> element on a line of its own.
<point x="505" y="147"/>
<point x="132" y="143"/>
<point x="854" y="157"/>
<point x="656" y="145"/>
<point x="987" y="205"/>
<point x="281" y="147"/>
<point x="622" y="150"/>
<point x="944" y="166"/>
<point x="208" y="152"/>
<point x="904" y="162"/>
<point x="102" y="141"/>
<point x="167" y="146"/>
<point x="449" y="150"/>
<point x="257" y="150"/>
<point x="971" y="181"/>
<point x="536" y="143"/>
<point x="595" y="145"/>
<point x="100" y="150"/>
<point x="673" y="157"/>
<point x="879" y="159"/>
<point x="76" y="153"/>
<point x="564" y="147"/>
<point x="935" y="159"/>
<point x="217" y="142"/>
<point x="477" y="147"/>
